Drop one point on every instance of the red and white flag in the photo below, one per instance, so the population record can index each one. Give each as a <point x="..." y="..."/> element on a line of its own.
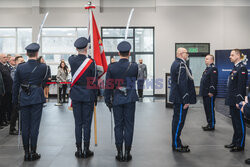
<point x="97" y="48"/>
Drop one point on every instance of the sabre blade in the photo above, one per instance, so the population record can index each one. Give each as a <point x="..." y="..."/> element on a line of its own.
<point x="41" y="27"/>
<point x="129" y="18"/>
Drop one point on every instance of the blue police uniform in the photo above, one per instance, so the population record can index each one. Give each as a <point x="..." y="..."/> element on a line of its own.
<point x="29" y="76"/>
<point x="208" y="84"/>
<point x="120" y="83"/>
<point x="246" y="109"/>
<point x="182" y="92"/>
<point x="83" y="94"/>
<point x="236" y="93"/>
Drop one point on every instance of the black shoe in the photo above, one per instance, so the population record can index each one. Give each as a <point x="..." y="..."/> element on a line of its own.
<point x="181" y="149"/>
<point x="4" y="124"/>
<point x="86" y="152"/>
<point x="26" y="153"/>
<point x="208" y="128"/>
<point x="229" y="145"/>
<point x="13" y="132"/>
<point x="127" y="155"/>
<point x="34" y="155"/>
<point x="247" y="161"/>
<point x="185" y="146"/>
<point x="119" y="156"/>
<point x="237" y="149"/>
<point x="78" y="153"/>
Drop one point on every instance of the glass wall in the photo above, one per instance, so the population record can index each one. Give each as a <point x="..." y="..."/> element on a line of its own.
<point x="142" y="42"/>
<point x="197" y="53"/>
<point x="58" y="44"/>
<point x="14" y="40"/>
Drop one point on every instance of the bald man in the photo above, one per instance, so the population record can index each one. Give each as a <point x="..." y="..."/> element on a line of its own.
<point x="142" y="76"/>
<point x="182" y="94"/>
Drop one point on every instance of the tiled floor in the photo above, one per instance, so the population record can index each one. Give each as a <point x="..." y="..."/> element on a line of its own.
<point x="151" y="146"/>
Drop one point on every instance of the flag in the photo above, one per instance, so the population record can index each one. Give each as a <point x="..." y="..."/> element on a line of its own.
<point x="98" y="51"/>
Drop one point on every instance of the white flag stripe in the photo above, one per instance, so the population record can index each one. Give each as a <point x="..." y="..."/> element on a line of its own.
<point x="80" y="69"/>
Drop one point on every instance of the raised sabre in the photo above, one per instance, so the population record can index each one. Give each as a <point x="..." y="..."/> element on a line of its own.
<point x="41" y="27"/>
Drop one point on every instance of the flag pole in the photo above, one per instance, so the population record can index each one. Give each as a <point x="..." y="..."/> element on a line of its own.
<point x="90" y="31"/>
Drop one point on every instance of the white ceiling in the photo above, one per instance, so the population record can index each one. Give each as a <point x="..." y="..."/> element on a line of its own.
<point x="120" y="3"/>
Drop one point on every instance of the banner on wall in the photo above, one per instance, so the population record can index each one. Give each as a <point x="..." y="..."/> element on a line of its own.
<point x="225" y="66"/>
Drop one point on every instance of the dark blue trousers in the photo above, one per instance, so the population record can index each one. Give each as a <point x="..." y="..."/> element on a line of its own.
<point x="140" y="84"/>
<point x="30" y="119"/>
<point x="83" y="112"/>
<point x="208" y="103"/>
<point x="239" y="127"/>
<point x="124" y="115"/>
<point x="178" y="121"/>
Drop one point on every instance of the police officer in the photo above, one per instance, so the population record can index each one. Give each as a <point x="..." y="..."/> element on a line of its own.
<point x="182" y="93"/>
<point x="121" y="77"/>
<point x="29" y="77"/>
<point x="83" y="96"/>
<point x="236" y="93"/>
<point x="208" y="90"/>
<point x="245" y="109"/>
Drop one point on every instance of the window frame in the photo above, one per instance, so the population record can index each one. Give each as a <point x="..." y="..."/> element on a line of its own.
<point x="16" y="38"/>
<point x="133" y="53"/>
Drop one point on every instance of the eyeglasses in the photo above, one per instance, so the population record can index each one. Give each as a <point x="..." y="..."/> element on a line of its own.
<point x="185" y="52"/>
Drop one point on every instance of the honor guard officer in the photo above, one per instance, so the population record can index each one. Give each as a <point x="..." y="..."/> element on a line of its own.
<point x="182" y="93"/>
<point x="29" y="76"/>
<point x="83" y="95"/>
<point x="236" y="93"/>
<point x="208" y="90"/>
<point x="121" y="77"/>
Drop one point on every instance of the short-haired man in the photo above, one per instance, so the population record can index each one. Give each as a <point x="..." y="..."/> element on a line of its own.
<point x="14" y="113"/>
<point x="142" y="76"/>
<point x="83" y="96"/>
<point x="120" y="83"/>
<point x="6" y="101"/>
<point x="208" y="90"/>
<point x="29" y="77"/>
<point x="236" y="92"/>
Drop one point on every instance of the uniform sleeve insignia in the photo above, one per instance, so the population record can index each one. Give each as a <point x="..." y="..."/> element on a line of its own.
<point x="243" y="72"/>
<point x="214" y="72"/>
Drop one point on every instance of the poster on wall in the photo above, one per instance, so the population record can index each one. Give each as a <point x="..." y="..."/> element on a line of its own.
<point x="225" y="66"/>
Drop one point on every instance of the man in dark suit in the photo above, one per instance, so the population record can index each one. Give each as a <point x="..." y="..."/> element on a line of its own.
<point x="83" y="95"/>
<point x="29" y="77"/>
<point x="15" y="108"/>
<point x="208" y="90"/>
<point x="120" y="83"/>
<point x="182" y="94"/>
<point x="6" y="103"/>
<point x="2" y="91"/>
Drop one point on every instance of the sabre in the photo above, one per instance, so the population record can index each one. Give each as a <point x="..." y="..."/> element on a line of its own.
<point x="111" y="124"/>
<point x="19" y="130"/>
<point x="95" y="127"/>
<point x="41" y="27"/>
<point x="129" y="18"/>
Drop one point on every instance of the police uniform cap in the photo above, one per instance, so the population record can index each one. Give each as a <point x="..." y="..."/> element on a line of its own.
<point x="81" y="43"/>
<point x="124" y="46"/>
<point x="33" y="47"/>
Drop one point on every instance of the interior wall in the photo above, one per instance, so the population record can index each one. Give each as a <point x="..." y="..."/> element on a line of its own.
<point x="222" y="27"/>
